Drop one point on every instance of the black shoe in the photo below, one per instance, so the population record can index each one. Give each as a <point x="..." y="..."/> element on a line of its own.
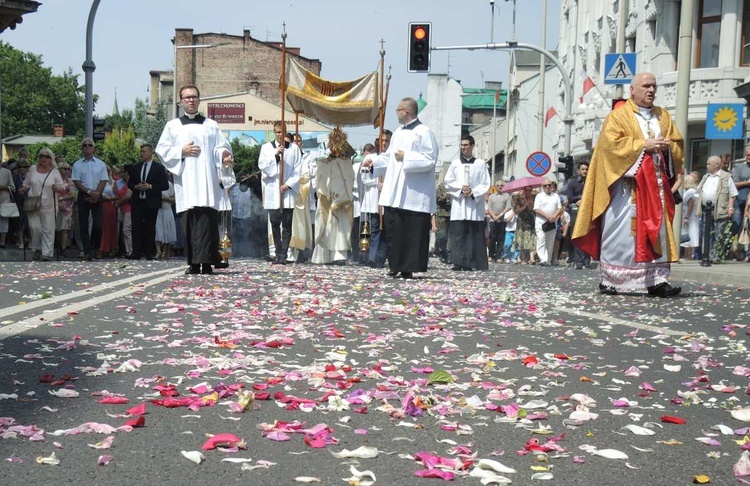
<point x="134" y="257"/>
<point x="607" y="290"/>
<point x="663" y="290"/>
<point x="393" y="274"/>
<point x="278" y="262"/>
<point x="407" y="275"/>
<point x="221" y="265"/>
<point x="206" y="269"/>
<point x="579" y="267"/>
<point x="457" y="268"/>
<point x="193" y="270"/>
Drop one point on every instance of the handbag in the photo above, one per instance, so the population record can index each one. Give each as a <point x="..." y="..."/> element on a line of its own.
<point x="32" y="204"/>
<point x="549" y="226"/>
<point x="677" y="197"/>
<point x="9" y="210"/>
<point x="744" y="237"/>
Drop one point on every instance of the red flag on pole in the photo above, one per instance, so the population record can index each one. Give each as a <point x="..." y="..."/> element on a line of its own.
<point x="588" y="84"/>
<point x="497" y="96"/>
<point x="550" y="113"/>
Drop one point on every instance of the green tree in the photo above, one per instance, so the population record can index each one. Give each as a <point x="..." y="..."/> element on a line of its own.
<point x="33" y="99"/>
<point x="245" y="158"/>
<point x="149" y="123"/>
<point x="68" y="147"/>
<point x="119" y="121"/>
<point x="119" y="148"/>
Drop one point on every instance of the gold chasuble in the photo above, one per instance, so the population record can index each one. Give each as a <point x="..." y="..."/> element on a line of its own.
<point x="619" y="147"/>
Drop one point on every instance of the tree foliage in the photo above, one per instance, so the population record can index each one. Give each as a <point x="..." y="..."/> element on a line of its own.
<point x="149" y="123"/>
<point x="119" y="148"/>
<point x="245" y="158"/>
<point x="33" y="99"/>
<point x="68" y="147"/>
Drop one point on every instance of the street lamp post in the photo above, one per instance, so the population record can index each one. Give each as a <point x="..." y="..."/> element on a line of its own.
<point x="88" y="69"/>
<point x="176" y="103"/>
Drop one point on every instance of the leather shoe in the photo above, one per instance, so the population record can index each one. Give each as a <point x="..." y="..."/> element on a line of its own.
<point x="221" y="265"/>
<point x="134" y="257"/>
<point x="407" y="275"/>
<point x="607" y="289"/>
<point x="206" y="269"/>
<point x="457" y="268"/>
<point x="393" y="274"/>
<point x="193" y="270"/>
<point x="663" y="290"/>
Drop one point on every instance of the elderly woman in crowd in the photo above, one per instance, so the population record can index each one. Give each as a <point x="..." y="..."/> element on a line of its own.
<point x="43" y="181"/>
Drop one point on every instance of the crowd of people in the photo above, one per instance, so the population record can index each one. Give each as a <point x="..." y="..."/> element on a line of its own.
<point x="382" y="207"/>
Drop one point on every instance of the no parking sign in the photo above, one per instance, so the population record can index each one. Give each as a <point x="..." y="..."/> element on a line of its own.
<point x="538" y="164"/>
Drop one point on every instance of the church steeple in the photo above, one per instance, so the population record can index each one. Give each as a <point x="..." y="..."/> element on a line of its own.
<point x="115" y="109"/>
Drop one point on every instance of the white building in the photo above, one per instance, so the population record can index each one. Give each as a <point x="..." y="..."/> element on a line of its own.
<point x="442" y="114"/>
<point x="720" y="64"/>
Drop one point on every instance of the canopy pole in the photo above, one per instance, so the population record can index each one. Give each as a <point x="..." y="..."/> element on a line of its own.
<point x="283" y="110"/>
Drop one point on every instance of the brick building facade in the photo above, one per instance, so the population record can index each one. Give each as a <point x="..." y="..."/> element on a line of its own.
<point x="237" y="64"/>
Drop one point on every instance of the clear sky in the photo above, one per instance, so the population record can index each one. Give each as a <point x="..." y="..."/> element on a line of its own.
<point x="132" y="37"/>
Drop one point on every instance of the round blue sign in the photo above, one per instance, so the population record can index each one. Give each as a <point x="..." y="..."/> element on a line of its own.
<point x="538" y="164"/>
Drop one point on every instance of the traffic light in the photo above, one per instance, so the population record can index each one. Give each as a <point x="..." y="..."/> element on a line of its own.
<point x="419" y="47"/>
<point x="565" y="166"/>
<point x="98" y="123"/>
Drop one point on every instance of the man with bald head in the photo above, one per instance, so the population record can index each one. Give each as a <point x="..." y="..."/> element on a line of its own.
<point x="718" y="188"/>
<point x="408" y="194"/>
<point x="626" y="212"/>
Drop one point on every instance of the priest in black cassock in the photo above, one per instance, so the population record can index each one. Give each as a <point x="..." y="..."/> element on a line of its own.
<point x="195" y="150"/>
<point x="467" y="181"/>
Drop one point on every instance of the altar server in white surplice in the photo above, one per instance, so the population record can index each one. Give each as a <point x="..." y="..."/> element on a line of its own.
<point x="275" y="190"/>
<point x="194" y="149"/>
<point x="467" y="181"/>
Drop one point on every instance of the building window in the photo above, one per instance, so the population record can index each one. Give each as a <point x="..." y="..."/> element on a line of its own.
<point x="709" y="29"/>
<point x="699" y="155"/>
<point x="745" y="60"/>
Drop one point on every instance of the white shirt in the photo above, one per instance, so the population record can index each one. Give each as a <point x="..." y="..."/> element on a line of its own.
<point x="409" y="184"/>
<point x="270" y="175"/>
<point x="711" y="187"/>
<point x="475" y="175"/>
<point x="549" y="203"/>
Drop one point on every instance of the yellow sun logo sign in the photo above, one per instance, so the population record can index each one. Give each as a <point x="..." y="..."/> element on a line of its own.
<point x="725" y="119"/>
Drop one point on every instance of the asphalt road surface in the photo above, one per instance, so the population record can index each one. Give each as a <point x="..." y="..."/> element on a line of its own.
<point x="119" y="373"/>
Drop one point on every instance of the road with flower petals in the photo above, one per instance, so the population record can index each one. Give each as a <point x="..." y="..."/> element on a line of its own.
<point x="115" y="373"/>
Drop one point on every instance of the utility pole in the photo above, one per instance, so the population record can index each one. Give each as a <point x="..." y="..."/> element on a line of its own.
<point x="682" y="95"/>
<point x="89" y="67"/>
<point x="542" y="75"/>
<point x="621" y="26"/>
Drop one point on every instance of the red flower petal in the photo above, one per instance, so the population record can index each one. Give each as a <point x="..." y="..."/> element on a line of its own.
<point x="113" y="400"/>
<point x="138" y="422"/>
<point x="137" y="410"/>
<point x="221" y="440"/>
<point x="670" y="419"/>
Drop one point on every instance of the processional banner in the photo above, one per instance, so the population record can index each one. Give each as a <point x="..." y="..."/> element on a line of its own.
<point x="354" y="102"/>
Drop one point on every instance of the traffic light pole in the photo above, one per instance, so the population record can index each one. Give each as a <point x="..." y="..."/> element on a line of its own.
<point x="89" y="67"/>
<point x="567" y="119"/>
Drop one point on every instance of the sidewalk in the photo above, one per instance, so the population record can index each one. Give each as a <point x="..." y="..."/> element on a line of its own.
<point x="736" y="274"/>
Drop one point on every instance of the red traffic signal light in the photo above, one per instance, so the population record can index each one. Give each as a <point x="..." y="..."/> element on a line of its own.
<point x="419" y="47"/>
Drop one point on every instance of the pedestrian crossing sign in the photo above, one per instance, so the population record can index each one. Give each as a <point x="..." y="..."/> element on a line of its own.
<point x="619" y="68"/>
<point x="724" y="121"/>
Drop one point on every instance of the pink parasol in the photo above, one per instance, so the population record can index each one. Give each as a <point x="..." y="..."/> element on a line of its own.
<point x="521" y="183"/>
